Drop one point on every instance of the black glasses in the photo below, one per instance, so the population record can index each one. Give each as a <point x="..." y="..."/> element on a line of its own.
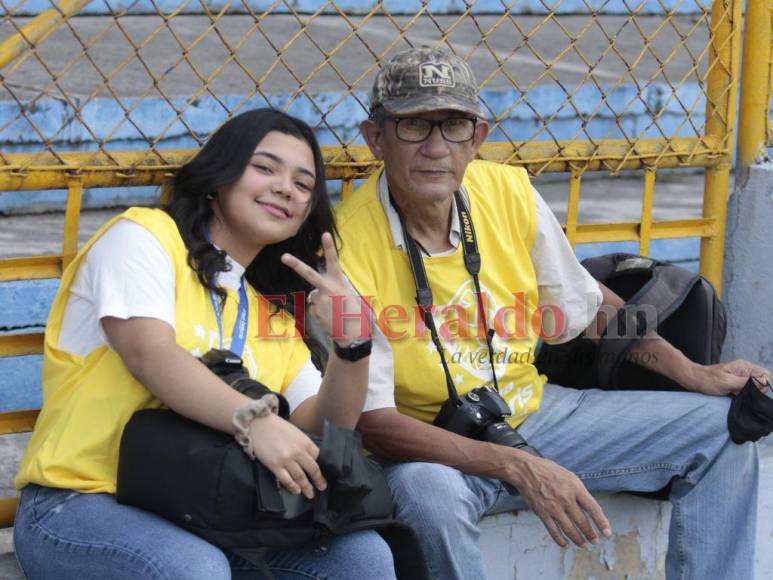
<point x="416" y="129"/>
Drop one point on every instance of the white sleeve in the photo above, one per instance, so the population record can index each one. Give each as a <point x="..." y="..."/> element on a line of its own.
<point x="381" y="375"/>
<point x="305" y="384"/>
<point x="561" y="279"/>
<point x="125" y="274"/>
<point x="131" y="274"/>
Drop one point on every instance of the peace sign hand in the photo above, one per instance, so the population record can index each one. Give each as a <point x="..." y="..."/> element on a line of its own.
<point x="332" y="297"/>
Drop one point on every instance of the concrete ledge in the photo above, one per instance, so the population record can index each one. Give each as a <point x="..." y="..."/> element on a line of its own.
<point x="516" y="546"/>
<point x="9" y="569"/>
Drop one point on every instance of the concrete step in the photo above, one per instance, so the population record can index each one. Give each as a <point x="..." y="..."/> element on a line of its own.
<point x="9" y="569"/>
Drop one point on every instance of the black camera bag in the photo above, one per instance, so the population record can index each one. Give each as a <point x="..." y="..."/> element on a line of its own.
<point x="688" y="314"/>
<point x="200" y="479"/>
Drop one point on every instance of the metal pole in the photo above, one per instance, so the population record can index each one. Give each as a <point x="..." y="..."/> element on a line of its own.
<point x="720" y="124"/>
<point x="753" y="120"/>
<point x="37" y="30"/>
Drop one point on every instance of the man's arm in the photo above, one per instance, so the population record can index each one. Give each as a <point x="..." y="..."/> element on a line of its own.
<point x="667" y="360"/>
<point x="556" y="495"/>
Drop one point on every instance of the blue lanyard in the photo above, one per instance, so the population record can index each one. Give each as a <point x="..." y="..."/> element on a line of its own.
<point x="239" y="335"/>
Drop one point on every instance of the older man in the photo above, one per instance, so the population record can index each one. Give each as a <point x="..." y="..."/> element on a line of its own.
<point x="476" y="241"/>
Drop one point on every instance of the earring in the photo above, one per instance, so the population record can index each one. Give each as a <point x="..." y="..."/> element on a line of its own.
<point x="210" y="196"/>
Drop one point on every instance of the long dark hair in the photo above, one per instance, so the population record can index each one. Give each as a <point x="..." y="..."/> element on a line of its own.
<point x="221" y="162"/>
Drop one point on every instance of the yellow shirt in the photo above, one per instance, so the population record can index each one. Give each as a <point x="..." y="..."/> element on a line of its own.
<point x="88" y="400"/>
<point x="503" y="211"/>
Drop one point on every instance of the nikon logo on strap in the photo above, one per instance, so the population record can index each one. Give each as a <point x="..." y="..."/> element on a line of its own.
<point x="436" y="74"/>
<point x="467" y="228"/>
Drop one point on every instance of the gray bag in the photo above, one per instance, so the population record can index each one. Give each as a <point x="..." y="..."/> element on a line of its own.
<point x="681" y="305"/>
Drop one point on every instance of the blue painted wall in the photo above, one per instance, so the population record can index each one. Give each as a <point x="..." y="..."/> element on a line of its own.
<point x="152" y="115"/>
<point x="31" y="7"/>
<point x="56" y="119"/>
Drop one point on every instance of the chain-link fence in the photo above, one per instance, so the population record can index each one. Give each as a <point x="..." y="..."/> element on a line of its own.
<point x="122" y="99"/>
<point x="615" y="83"/>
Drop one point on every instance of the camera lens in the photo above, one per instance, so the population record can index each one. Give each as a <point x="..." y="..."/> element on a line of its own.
<point x="502" y="434"/>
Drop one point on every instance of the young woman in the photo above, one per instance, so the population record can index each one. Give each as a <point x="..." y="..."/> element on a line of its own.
<point x="145" y="298"/>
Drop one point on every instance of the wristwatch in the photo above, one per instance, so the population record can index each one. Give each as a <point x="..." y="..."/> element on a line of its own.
<point x="355" y="350"/>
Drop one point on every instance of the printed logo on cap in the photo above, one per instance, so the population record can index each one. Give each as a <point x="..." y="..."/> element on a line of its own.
<point x="433" y="74"/>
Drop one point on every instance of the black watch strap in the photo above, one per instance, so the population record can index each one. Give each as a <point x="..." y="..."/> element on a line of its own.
<point x="355" y="351"/>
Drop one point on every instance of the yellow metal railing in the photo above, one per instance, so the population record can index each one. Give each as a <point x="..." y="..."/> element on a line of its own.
<point x="37" y="30"/>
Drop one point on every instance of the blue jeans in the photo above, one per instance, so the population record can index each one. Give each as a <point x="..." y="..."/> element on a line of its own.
<point x="614" y="441"/>
<point x="63" y="535"/>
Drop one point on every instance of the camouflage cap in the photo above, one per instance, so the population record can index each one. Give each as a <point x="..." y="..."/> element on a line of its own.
<point x="425" y="79"/>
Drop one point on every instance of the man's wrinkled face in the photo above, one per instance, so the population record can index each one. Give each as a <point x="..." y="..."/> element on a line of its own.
<point x="428" y="171"/>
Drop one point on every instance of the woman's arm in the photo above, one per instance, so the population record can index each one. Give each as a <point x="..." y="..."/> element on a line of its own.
<point x="340" y="399"/>
<point x="147" y="346"/>
<point x="339" y="311"/>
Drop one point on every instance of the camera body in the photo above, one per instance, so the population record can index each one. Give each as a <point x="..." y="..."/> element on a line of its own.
<point x="481" y="415"/>
<point x="230" y="368"/>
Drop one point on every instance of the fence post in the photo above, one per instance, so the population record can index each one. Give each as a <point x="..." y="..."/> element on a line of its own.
<point x="720" y="124"/>
<point x="753" y="122"/>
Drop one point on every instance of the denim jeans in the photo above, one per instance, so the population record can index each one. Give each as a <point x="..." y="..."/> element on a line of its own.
<point x="614" y="441"/>
<point x="64" y="535"/>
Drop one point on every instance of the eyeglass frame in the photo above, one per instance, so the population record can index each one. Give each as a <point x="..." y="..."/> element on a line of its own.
<point x="380" y="115"/>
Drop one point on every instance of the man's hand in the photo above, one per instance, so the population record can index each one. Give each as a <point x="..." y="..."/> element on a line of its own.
<point x="724" y="378"/>
<point x="559" y="499"/>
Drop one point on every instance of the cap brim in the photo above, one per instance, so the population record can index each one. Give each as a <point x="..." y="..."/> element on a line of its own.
<point x="424" y="104"/>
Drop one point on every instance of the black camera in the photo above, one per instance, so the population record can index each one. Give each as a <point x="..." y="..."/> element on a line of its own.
<point x="480" y="414"/>
<point x="230" y="368"/>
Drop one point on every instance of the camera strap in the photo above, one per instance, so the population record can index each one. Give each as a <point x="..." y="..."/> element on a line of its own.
<point x="239" y="334"/>
<point x="472" y="263"/>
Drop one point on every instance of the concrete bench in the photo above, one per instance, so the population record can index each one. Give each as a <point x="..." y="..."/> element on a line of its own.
<point x="515" y="545"/>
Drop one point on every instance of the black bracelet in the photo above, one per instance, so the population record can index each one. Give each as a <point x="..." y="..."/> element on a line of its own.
<point x="355" y="351"/>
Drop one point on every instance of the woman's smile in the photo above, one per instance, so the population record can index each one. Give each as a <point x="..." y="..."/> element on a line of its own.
<point x="275" y="210"/>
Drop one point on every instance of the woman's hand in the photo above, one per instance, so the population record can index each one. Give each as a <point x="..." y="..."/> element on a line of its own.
<point x="332" y="298"/>
<point x="288" y="453"/>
